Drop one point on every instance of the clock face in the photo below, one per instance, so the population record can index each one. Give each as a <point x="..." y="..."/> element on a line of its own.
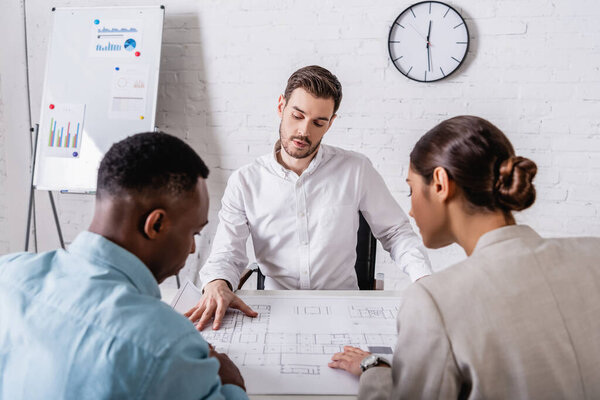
<point x="428" y="41"/>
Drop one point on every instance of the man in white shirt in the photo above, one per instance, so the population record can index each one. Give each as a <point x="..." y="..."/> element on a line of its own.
<point x="300" y="204"/>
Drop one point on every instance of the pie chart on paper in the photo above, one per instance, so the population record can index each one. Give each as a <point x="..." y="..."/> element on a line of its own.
<point x="129" y="44"/>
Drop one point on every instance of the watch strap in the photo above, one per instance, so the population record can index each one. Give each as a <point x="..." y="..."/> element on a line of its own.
<point x="378" y="361"/>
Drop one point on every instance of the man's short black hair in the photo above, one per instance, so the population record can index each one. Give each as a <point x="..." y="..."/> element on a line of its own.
<point x="150" y="162"/>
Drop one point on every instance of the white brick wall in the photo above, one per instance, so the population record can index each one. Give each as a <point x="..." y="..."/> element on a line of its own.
<point x="533" y="69"/>
<point x="4" y="238"/>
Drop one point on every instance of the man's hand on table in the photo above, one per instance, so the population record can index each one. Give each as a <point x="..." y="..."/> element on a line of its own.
<point x="228" y="372"/>
<point x="215" y="300"/>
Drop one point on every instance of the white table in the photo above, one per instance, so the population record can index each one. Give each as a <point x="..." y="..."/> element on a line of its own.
<point x="314" y="293"/>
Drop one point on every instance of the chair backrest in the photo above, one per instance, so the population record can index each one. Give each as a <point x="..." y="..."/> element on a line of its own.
<point x="366" y="249"/>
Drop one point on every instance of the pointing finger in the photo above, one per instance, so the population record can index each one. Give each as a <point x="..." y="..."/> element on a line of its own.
<point x="243" y="307"/>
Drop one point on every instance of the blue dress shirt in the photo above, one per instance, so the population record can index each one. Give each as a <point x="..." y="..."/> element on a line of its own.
<point x="88" y="323"/>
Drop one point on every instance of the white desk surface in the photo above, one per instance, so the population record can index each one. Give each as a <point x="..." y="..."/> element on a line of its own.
<point x="321" y="293"/>
<point x="169" y="293"/>
<point x="313" y="293"/>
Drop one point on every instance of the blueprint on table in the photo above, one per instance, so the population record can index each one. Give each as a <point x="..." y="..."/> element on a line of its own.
<point x="285" y="350"/>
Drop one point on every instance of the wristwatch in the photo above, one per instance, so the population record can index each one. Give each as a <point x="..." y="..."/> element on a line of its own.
<point x="372" y="361"/>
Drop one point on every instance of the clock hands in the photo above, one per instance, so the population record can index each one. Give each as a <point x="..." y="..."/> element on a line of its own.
<point x="429" y="32"/>
<point x="427" y="43"/>
<point x="428" y="46"/>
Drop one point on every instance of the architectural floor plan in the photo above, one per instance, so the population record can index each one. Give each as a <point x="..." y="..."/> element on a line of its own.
<point x="286" y="348"/>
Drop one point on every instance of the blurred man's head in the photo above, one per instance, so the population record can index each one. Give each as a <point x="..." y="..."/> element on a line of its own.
<point x="152" y="200"/>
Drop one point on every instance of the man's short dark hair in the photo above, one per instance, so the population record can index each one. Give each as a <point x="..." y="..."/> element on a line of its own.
<point x="317" y="81"/>
<point x="150" y="162"/>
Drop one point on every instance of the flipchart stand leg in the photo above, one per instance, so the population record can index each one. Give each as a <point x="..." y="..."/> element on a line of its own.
<point x="31" y="207"/>
<point x="60" y="237"/>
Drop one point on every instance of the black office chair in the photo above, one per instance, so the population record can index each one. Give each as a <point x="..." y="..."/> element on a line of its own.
<point x="366" y="248"/>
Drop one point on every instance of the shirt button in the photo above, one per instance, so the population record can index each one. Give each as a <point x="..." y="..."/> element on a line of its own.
<point x="301" y="214"/>
<point x="304" y="243"/>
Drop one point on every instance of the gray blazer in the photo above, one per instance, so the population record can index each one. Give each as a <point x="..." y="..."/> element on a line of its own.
<point x="519" y="319"/>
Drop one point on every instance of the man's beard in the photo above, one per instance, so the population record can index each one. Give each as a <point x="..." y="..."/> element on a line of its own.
<point x="293" y="152"/>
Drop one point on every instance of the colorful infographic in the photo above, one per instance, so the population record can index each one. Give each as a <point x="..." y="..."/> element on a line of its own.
<point x="65" y="130"/>
<point x="116" y="38"/>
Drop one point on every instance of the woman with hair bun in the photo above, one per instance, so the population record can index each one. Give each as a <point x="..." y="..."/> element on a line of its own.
<point x="465" y="181"/>
<point x="520" y="317"/>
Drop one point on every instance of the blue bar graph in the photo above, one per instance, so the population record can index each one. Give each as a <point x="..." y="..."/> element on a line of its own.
<point x="109" y="47"/>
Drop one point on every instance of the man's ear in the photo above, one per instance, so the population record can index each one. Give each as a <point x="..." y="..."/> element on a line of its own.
<point x="156" y="223"/>
<point x="442" y="187"/>
<point x="331" y="120"/>
<point x="280" y="105"/>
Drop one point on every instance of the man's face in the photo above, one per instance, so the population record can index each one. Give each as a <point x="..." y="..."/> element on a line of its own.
<point x="187" y="215"/>
<point x="304" y="121"/>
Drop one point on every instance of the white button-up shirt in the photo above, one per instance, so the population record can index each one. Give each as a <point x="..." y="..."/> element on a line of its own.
<point x="304" y="227"/>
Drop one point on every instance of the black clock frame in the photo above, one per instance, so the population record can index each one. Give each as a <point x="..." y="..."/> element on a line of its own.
<point x="408" y="9"/>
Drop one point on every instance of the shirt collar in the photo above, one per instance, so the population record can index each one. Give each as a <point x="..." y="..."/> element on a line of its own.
<point x="99" y="250"/>
<point x="282" y="171"/>
<point x="505" y="233"/>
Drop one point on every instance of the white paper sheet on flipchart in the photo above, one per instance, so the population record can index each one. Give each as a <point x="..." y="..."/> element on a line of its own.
<point x="286" y="349"/>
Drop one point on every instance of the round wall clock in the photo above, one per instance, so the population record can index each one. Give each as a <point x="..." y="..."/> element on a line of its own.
<point x="428" y="41"/>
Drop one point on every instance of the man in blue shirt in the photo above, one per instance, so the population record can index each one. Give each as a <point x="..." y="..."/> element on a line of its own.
<point x="88" y="323"/>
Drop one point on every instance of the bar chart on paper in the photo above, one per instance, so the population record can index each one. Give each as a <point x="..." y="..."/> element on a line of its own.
<point x="108" y="47"/>
<point x="116" y="38"/>
<point x="65" y="130"/>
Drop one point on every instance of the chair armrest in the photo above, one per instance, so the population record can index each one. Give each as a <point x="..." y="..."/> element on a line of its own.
<point x="246" y="274"/>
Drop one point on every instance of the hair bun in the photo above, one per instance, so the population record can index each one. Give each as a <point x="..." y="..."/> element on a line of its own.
<point x="514" y="187"/>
